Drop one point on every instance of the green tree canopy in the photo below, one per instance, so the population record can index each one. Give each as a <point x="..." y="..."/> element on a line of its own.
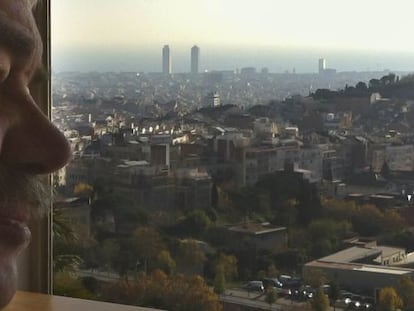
<point x="165" y="262"/>
<point x="388" y="299"/>
<point x="320" y="301"/>
<point x="148" y="242"/>
<point x="271" y="295"/>
<point x="405" y="289"/>
<point x="157" y="290"/>
<point x="227" y="264"/>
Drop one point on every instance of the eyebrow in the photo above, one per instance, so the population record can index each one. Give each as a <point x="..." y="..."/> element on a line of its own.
<point x="14" y="38"/>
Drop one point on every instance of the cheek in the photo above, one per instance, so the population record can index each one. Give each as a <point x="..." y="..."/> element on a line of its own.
<point x="8" y="280"/>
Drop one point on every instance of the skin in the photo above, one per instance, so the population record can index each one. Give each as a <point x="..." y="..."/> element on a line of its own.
<point x="29" y="143"/>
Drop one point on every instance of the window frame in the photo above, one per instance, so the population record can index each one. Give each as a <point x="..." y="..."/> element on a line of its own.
<point x="35" y="264"/>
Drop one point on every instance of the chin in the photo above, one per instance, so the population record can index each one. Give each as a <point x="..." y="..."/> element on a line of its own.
<point x="8" y="279"/>
<point x="11" y="246"/>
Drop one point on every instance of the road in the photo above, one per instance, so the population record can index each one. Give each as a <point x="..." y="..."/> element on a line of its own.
<point x="255" y="299"/>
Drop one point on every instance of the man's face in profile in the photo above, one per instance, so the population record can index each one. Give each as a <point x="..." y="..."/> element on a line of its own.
<point x="30" y="145"/>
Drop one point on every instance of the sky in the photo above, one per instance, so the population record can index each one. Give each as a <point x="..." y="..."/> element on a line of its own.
<point x="321" y="26"/>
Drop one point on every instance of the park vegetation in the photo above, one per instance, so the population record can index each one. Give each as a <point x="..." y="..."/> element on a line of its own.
<point x="187" y="246"/>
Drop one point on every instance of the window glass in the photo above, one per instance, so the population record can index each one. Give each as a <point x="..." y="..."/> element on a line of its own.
<point x="231" y="150"/>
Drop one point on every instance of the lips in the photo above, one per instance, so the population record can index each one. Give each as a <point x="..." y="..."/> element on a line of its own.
<point x="14" y="233"/>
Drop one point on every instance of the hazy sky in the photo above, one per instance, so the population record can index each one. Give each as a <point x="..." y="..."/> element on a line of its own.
<point x="366" y="24"/>
<point x="110" y="26"/>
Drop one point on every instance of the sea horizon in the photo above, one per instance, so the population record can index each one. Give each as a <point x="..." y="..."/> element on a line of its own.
<point x="275" y="60"/>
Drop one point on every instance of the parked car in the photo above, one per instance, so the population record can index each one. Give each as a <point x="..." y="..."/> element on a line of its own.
<point x="346" y="297"/>
<point x="308" y="291"/>
<point x="254" y="286"/>
<point x="290" y="282"/>
<point x="272" y="282"/>
<point x="283" y="291"/>
<point x="368" y="303"/>
<point x="357" y="301"/>
<point x="326" y="288"/>
<point x="353" y="301"/>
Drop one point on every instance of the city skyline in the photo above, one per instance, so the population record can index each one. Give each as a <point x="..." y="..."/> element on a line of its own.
<point x="167" y="59"/>
<point x="276" y="61"/>
<point x="276" y="34"/>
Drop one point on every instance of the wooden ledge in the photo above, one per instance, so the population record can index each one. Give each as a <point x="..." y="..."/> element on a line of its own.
<point x="25" y="301"/>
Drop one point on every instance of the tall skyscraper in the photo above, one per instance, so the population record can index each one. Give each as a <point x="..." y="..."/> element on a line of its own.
<point x="195" y="55"/>
<point x="166" y="60"/>
<point x="322" y="65"/>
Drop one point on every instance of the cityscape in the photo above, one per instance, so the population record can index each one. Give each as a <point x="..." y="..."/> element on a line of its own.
<point x="215" y="58"/>
<point x="221" y="174"/>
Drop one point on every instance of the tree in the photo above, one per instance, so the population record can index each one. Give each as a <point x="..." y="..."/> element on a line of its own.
<point x="225" y="270"/>
<point x="227" y="264"/>
<point x="334" y="292"/>
<point x="196" y="222"/>
<point x="166" y="262"/>
<point x="320" y="302"/>
<point x="65" y="259"/>
<point x="69" y="262"/>
<point x="105" y="203"/>
<point x="65" y="284"/>
<point x="214" y="196"/>
<point x="107" y="251"/>
<point x="245" y="200"/>
<point x="385" y="171"/>
<point x="289" y="186"/>
<point x="272" y="271"/>
<point x="338" y="209"/>
<point x="405" y="289"/>
<point x="362" y="86"/>
<point x="374" y="83"/>
<point x="324" y="94"/>
<point x="289" y="212"/>
<point x="291" y="259"/>
<point x="270" y="296"/>
<point x="148" y="243"/>
<point x="368" y="220"/>
<point x="190" y="253"/>
<point x="327" y="234"/>
<point x="392" y="221"/>
<point x="83" y="189"/>
<point x="219" y="281"/>
<point x="314" y="277"/>
<point x="157" y="290"/>
<point x="388" y="299"/>
<point x="212" y="215"/>
<point x="388" y="79"/>
<point x="91" y="284"/>
<point x="62" y="229"/>
<point x="126" y="259"/>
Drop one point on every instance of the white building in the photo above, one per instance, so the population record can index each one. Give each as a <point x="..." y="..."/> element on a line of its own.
<point x="166" y="60"/>
<point x="400" y="158"/>
<point x="195" y="58"/>
<point x="321" y="65"/>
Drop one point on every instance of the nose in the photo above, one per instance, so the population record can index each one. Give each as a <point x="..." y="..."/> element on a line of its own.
<point x="29" y="141"/>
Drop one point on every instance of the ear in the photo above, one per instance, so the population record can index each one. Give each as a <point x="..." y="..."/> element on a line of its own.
<point x="5" y="64"/>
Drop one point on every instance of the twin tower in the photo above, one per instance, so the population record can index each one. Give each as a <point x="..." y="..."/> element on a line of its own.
<point x="166" y="59"/>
